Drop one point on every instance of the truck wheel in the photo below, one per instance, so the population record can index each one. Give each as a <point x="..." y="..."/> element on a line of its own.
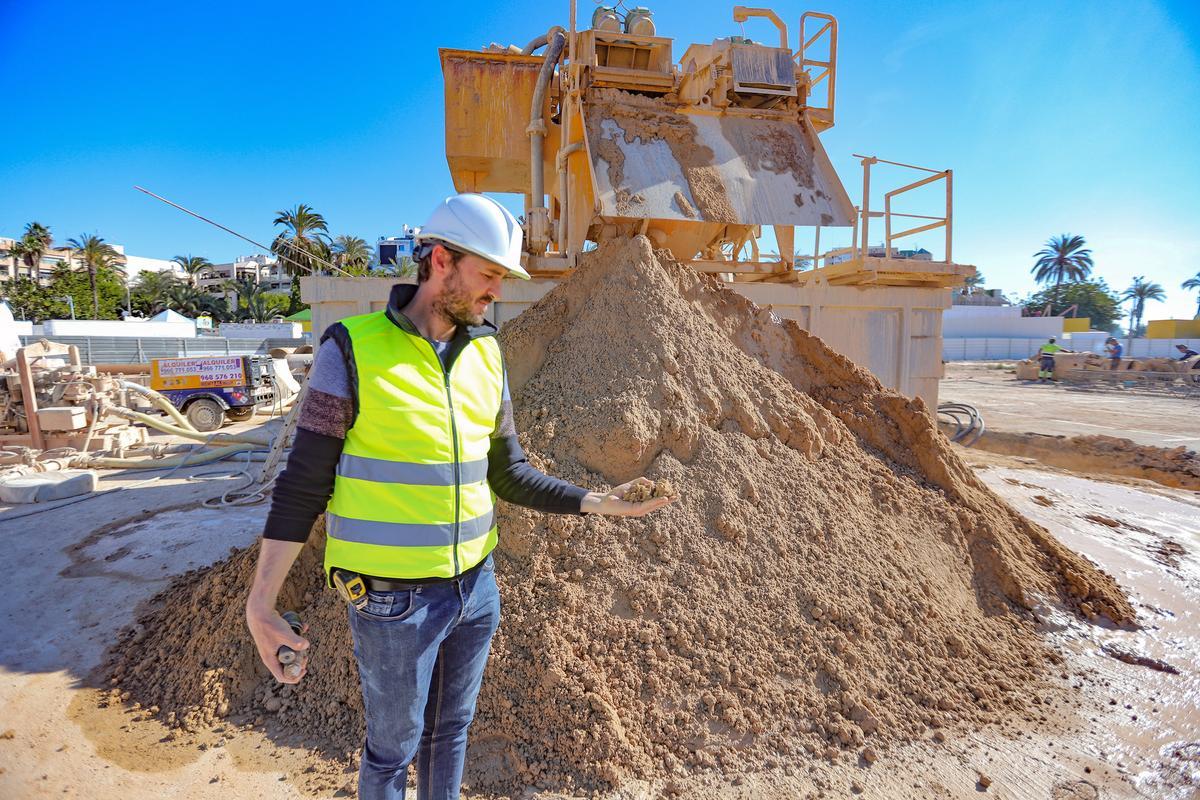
<point x="205" y="414"/>
<point x="240" y="413"/>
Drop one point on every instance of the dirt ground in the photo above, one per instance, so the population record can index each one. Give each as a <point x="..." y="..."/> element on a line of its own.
<point x="1110" y="729"/>
<point x="1057" y="409"/>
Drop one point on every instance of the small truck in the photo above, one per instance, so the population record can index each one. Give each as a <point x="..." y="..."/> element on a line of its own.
<point x="211" y="389"/>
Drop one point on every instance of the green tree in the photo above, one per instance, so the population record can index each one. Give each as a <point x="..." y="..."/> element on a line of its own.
<point x="243" y="287"/>
<point x="264" y="306"/>
<point x="301" y="246"/>
<point x="352" y="255"/>
<point x="1192" y="284"/>
<point x="404" y="268"/>
<point x="1140" y="293"/>
<point x="1063" y="259"/>
<point x="1095" y="300"/>
<point x="151" y="291"/>
<point x="98" y="257"/>
<point x="192" y="302"/>
<point x="105" y="288"/>
<point x="254" y="302"/>
<point x="32" y="301"/>
<point x="193" y="266"/>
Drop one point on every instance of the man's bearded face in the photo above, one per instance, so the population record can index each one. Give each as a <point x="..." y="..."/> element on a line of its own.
<point x="461" y="304"/>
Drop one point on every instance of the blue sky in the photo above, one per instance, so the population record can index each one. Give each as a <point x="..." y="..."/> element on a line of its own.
<point x="1056" y="117"/>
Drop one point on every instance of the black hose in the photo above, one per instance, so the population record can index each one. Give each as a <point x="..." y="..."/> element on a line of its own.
<point x="968" y="422"/>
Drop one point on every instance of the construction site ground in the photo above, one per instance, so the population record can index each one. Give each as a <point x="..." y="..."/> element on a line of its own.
<point x="1058" y="409"/>
<point x="78" y="572"/>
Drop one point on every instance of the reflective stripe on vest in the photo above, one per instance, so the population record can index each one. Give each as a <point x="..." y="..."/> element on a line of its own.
<point x="411" y="498"/>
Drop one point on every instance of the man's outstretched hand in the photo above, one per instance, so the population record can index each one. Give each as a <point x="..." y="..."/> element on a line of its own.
<point x="610" y="502"/>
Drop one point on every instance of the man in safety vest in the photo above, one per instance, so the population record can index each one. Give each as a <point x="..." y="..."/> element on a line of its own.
<point x="1046" y="360"/>
<point x="407" y="435"/>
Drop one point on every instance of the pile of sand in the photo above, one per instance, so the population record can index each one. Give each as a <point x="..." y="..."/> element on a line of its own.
<point x="832" y="580"/>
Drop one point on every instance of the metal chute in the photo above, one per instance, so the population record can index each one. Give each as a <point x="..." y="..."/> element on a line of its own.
<point x="651" y="161"/>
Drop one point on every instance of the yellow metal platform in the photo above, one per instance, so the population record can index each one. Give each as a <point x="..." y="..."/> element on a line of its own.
<point x="872" y="271"/>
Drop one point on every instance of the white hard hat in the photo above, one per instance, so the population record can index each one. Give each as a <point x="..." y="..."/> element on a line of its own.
<point x="478" y="225"/>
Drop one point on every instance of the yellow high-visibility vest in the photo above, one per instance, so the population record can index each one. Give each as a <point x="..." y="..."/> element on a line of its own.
<point x="411" y="497"/>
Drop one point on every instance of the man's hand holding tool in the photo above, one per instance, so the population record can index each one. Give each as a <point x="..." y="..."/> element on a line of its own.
<point x="280" y="642"/>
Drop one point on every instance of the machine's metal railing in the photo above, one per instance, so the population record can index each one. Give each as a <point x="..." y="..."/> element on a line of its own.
<point x="945" y="221"/>
<point x="818" y="70"/>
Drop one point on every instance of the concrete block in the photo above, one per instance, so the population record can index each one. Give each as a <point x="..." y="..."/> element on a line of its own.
<point x="62" y="418"/>
<point x="45" y="487"/>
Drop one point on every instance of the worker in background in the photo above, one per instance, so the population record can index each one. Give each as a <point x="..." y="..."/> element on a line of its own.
<point x="1114" y="350"/>
<point x="1185" y="352"/>
<point x="1046" y="360"/>
<point x="406" y="432"/>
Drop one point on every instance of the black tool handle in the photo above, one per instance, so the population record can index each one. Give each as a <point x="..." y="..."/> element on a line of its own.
<point x="286" y="655"/>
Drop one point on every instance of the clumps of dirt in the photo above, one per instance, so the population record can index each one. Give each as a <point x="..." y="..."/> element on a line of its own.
<point x="641" y="492"/>
<point x="617" y="114"/>
<point x="832" y="581"/>
<point x="1137" y="659"/>
<point x="1177" y="467"/>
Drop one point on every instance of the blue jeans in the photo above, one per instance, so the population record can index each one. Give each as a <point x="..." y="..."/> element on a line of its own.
<point x="421" y="654"/>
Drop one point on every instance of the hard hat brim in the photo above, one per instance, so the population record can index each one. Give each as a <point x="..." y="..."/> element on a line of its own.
<point x="517" y="269"/>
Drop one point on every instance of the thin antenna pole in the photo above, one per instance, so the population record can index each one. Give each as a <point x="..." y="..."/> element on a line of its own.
<point x="245" y="238"/>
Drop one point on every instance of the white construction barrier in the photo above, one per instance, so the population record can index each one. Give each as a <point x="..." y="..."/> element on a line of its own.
<point x="1012" y="348"/>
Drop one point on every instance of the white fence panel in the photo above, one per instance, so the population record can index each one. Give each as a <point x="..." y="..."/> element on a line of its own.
<point x="124" y="350"/>
<point x="1014" y="348"/>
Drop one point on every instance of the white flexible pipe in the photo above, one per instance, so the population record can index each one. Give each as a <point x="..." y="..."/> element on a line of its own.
<point x="161" y="402"/>
<point x="263" y="440"/>
<point x="191" y="459"/>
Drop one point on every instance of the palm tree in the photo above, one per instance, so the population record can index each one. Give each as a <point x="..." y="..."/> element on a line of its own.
<point x="352" y="255"/>
<point x="1139" y="293"/>
<point x="33" y="245"/>
<point x="304" y="232"/>
<point x="98" y="256"/>
<point x="253" y="301"/>
<point x="1064" y="258"/>
<point x="302" y="244"/>
<point x="19" y="252"/>
<point x="155" y="289"/>
<point x="405" y="267"/>
<point x="193" y="266"/>
<point x="1192" y="284"/>
<point x="247" y="291"/>
<point x="192" y="302"/>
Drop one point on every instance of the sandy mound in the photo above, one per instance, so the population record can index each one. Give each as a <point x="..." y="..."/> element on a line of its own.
<point x="832" y="575"/>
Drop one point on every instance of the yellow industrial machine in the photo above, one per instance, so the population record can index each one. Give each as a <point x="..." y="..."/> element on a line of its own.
<point x="607" y="135"/>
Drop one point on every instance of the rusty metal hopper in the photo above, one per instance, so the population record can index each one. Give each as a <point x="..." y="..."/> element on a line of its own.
<point x="651" y="161"/>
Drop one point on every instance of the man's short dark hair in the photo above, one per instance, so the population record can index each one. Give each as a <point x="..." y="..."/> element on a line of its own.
<point x="424" y="257"/>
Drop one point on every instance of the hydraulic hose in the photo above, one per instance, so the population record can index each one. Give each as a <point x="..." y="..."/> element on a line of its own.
<point x="247" y="437"/>
<point x="160" y="402"/>
<point x="190" y="459"/>
<point x="968" y="422"/>
<point x="280" y="406"/>
<point x="538" y="213"/>
<point x="536" y="44"/>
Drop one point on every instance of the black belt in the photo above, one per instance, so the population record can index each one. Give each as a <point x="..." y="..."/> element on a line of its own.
<point x="377" y="584"/>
